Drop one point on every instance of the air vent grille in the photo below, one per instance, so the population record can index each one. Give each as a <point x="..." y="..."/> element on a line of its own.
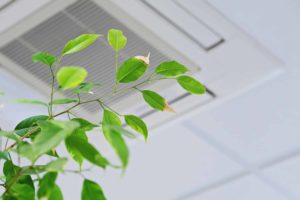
<point x="83" y="16"/>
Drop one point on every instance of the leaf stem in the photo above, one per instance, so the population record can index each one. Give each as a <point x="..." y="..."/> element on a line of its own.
<point x="84" y="102"/>
<point x="24" y="136"/>
<point x="117" y="66"/>
<point x="53" y="74"/>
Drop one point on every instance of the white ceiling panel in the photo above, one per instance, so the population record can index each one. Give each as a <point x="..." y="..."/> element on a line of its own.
<point x="172" y="164"/>
<point x="272" y="22"/>
<point x="14" y="11"/>
<point x="199" y="31"/>
<point x="16" y="89"/>
<point x="247" y="188"/>
<point x="287" y="175"/>
<point x="252" y="128"/>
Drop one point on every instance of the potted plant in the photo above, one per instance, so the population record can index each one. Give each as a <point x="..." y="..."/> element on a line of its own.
<point x="38" y="136"/>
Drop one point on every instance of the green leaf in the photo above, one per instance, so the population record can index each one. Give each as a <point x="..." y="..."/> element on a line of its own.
<point x="86" y="150"/>
<point x="111" y="118"/>
<point x="26" y="179"/>
<point x="47" y="186"/>
<point x="79" y="43"/>
<point x="170" y="68"/>
<point x="9" y="168"/>
<point x="55" y="194"/>
<point x="28" y="101"/>
<point x="9" y="171"/>
<point x="24" y="131"/>
<point x="45" y="58"/>
<point x="52" y="133"/>
<point x="22" y="191"/>
<point x="52" y="153"/>
<point x="85" y="88"/>
<point x="156" y="101"/>
<point x="84" y="125"/>
<point x="30" y="121"/>
<point x="4" y="155"/>
<point x="121" y="130"/>
<point x="30" y="124"/>
<point x="131" y="70"/>
<point x="1" y="93"/>
<point x="23" y="182"/>
<point x="116" y="39"/>
<point x="91" y="191"/>
<point x="114" y="137"/>
<point x="10" y="135"/>
<point x="137" y="124"/>
<point x="71" y="76"/>
<point x="191" y="85"/>
<point x="64" y="101"/>
<point x="74" y="153"/>
<point x="56" y="165"/>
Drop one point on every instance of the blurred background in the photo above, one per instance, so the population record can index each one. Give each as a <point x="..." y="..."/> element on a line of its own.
<point x="240" y="141"/>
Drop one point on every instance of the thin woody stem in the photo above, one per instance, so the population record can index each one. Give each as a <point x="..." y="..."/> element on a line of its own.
<point x="31" y="131"/>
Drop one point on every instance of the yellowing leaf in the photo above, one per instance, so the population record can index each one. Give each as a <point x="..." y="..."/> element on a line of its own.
<point x="168" y="108"/>
<point x="116" y="39"/>
<point x="156" y="101"/>
<point x="71" y="76"/>
<point x="145" y="59"/>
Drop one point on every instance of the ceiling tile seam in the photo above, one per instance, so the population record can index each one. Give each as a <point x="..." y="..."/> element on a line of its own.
<point x="214" y="185"/>
<point x="281" y="159"/>
<point x="83" y="26"/>
<point x="200" y="21"/>
<point x="184" y="32"/>
<point x="6" y="5"/>
<point x="262" y="47"/>
<point x="235" y="157"/>
<point x="276" y="186"/>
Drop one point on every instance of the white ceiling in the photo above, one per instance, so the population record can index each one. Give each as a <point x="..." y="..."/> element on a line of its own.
<point x="245" y="148"/>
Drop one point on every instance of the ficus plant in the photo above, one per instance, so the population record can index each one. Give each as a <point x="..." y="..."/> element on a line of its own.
<point x="39" y="136"/>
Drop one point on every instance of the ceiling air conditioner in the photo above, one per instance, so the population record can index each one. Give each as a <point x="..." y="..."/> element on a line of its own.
<point x="193" y="32"/>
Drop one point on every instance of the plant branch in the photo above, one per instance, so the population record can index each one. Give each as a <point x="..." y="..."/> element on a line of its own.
<point x="117" y="66"/>
<point x="53" y="74"/>
<point x="84" y="102"/>
<point x="31" y="131"/>
<point x="15" y="178"/>
<point x="107" y="95"/>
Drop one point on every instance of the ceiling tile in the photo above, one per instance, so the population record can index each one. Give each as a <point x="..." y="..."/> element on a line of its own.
<point x="247" y="188"/>
<point x="173" y="162"/>
<point x="15" y="89"/>
<point x="286" y="174"/>
<point x="259" y="126"/>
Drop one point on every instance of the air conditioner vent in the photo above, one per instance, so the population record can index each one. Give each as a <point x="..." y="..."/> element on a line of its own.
<point x="193" y="32"/>
<point x="80" y="17"/>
